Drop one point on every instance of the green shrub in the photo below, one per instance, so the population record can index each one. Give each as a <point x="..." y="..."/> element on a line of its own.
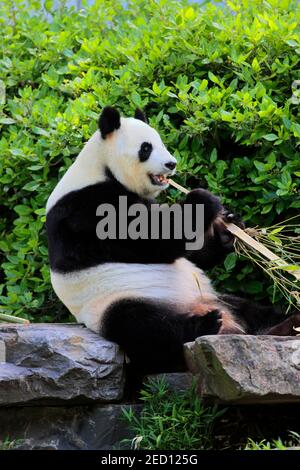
<point x="7" y="444"/>
<point x="171" y="420"/>
<point x="277" y="444"/>
<point x="216" y="83"/>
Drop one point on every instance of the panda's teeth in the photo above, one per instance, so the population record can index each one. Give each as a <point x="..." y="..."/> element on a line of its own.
<point x="159" y="179"/>
<point x="162" y="179"/>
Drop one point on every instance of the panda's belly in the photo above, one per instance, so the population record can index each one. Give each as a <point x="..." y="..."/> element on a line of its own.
<point x="89" y="292"/>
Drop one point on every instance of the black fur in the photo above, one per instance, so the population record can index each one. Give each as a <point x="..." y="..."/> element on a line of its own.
<point x="219" y="241"/>
<point x="109" y="174"/>
<point x="109" y="121"/>
<point x="71" y="228"/>
<point x="211" y="203"/>
<point x="153" y="335"/>
<point x="145" y="151"/>
<point x="256" y="318"/>
<point x="139" y="114"/>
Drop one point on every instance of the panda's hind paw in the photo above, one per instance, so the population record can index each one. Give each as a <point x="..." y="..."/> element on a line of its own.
<point x="211" y="322"/>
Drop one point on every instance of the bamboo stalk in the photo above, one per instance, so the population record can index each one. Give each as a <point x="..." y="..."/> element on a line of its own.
<point x="250" y="241"/>
<point x="11" y="319"/>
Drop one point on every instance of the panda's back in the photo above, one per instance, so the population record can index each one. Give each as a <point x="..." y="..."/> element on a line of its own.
<point x="89" y="292"/>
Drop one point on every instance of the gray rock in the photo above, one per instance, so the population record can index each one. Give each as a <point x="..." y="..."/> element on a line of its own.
<point x="46" y="363"/>
<point x="65" y="428"/>
<point x="246" y="369"/>
<point x="2" y="351"/>
<point x="177" y="382"/>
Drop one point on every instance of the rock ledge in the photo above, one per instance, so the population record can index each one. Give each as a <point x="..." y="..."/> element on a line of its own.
<point x="246" y="369"/>
<point x="46" y="363"/>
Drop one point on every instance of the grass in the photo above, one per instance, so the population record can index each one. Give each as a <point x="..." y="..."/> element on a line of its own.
<point x="7" y="444"/>
<point x="283" y="240"/>
<point x="182" y="421"/>
<point x="171" y="420"/>
<point x="275" y="444"/>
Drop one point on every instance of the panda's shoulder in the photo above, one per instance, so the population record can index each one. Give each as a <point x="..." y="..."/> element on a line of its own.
<point x="85" y="201"/>
<point x="87" y="197"/>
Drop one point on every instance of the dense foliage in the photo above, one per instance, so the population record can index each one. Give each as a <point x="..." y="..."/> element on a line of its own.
<point x="174" y="420"/>
<point x="217" y="82"/>
<point x="171" y="420"/>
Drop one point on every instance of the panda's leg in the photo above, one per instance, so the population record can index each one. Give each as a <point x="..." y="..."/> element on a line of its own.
<point x="152" y="335"/>
<point x="261" y="319"/>
<point x="229" y="323"/>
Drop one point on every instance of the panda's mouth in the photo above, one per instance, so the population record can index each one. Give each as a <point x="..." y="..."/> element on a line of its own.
<point x="158" y="180"/>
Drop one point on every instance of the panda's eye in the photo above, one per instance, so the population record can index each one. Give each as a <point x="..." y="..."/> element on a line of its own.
<point x="145" y="151"/>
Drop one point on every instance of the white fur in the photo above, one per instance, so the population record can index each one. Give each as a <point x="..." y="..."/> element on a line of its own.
<point x="87" y="169"/>
<point x="89" y="292"/>
<point x="119" y="151"/>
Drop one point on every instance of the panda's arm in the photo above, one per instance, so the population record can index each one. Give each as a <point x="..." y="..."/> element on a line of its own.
<point x="218" y="242"/>
<point x="81" y="221"/>
<point x="168" y="250"/>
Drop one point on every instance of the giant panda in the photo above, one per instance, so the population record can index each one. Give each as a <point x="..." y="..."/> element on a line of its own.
<point x="148" y="295"/>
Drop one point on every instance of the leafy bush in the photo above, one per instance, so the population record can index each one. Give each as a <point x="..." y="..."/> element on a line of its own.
<point x="7" y="444"/>
<point x="171" y="420"/>
<point x="215" y="81"/>
<point x="277" y="444"/>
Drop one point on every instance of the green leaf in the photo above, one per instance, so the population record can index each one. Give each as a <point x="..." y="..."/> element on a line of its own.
<point x="267" y="208"/>
<point x="255" y="65"/>
<point x="230" y="261"/>
<point x="156" y="88"/>
<point x="277" y="230"/>
<point x="260" y="166"/>
<point x="22" y="210"/>
<point x="213" y="155"/>
<point x="213" y="78"/>
<point x="296" y="128"/>
<point x="7" y="120"/>
<point x="40" y="131"/>
<point x="190" y="13"/>
<point x="31" y="186"/>
<point x="4" y="246"/>
<point x="292" y="43"/>
<point x="253" y="287"/>
<point x="290" y="267"/>
<point x="270" y="137"/>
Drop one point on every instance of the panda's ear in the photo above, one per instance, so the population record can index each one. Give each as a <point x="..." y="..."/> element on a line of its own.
<point x="109" y="121"/>
<point x="139" y="114"/>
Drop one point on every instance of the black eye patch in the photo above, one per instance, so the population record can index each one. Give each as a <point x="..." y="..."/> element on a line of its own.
<point x="145" y="151"/>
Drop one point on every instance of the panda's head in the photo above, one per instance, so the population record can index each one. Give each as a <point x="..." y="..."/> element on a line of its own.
<point x="134" y="152"/>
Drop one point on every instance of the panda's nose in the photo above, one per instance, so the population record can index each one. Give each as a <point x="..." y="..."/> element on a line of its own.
<point x="170" y="165"/>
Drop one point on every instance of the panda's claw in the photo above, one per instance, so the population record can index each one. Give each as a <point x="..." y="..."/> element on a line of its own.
<point x="231" y="217"/>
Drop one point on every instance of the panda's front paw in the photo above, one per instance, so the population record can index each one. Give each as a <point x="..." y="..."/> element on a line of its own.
<point x="212" y="204"/>
<point x="225" y="237"/>
<point x="230" y="217"/>
<point x="203" y="196"/>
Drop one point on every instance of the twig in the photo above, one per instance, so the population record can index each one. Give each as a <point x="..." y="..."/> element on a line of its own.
<point x="11" y="319"/>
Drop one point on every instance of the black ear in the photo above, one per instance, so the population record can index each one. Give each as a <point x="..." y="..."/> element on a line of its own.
<point x="139" y="114"/>
<point x="109" y="121"/>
